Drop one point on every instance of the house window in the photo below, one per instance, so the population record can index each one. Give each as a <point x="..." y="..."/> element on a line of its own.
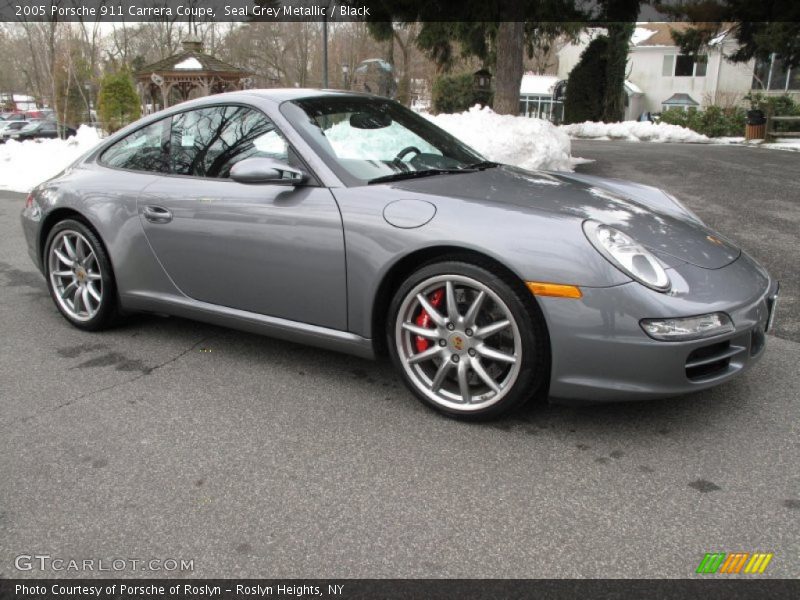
<point x="684" y="65"/>
<point x="772" y="74"/>
<point x="668" y="66"/>
<point x="700" y="65"/>
<point x="541" y="107"/>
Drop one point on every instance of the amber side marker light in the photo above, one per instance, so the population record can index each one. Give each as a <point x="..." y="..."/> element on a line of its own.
<point x="556" y="290"/>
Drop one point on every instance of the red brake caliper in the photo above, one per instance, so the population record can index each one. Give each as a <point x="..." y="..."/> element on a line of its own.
<point x="424" y="319"/>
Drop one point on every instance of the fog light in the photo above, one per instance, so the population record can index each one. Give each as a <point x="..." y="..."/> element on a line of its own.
<point x="688" y="328"/>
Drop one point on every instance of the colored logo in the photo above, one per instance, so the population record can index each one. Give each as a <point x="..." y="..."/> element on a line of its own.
<point x="458" y="342"/>
<point x="734" y="562"/>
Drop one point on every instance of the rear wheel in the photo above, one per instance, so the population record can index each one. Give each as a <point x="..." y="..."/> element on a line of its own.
<point x="79" y="276"/>
<point x="467" y="342"/>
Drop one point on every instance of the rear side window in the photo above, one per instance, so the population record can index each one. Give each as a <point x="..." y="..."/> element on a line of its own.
<point x="207" y="142"/>
<point x="142" y="150"/>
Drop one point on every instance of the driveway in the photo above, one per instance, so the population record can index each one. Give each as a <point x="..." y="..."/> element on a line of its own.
<point x="168" y="439"/>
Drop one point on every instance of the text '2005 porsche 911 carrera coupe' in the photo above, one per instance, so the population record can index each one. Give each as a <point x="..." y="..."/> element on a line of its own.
<point x="349" y="222"/>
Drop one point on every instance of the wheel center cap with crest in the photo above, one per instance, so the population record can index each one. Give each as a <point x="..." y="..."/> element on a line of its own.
<point x="458" y="342"/>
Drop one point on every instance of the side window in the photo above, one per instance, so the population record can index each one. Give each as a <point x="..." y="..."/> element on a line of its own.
<point x="140" y="151"/>
<point x="208" y="142"/>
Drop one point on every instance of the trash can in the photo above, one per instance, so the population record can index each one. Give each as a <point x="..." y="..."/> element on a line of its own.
<point x="756" y="127"/>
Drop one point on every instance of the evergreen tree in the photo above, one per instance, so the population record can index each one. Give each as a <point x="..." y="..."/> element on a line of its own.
<point x="118" y="103"/>
<point x="760" y="28"/>
<point x="586" y="86"/>
<point x="497" y="34"/>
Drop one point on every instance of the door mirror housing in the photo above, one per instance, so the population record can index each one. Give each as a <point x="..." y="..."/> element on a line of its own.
<point x="266" y="170"/>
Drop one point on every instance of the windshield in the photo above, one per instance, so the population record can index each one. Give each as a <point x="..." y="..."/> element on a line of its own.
<point x="366" y="139"/>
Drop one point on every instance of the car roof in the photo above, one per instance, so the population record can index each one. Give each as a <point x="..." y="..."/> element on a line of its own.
<point x="283" y="94"/>
<point x="276" y="95"/>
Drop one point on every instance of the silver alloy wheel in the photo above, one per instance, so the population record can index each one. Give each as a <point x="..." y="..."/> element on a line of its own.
<point x="472" y="353"/>
<point x="75" y="275"/>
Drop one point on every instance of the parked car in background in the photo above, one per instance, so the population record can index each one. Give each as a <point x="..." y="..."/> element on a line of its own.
<point x="42" y="129"/>
<point x="15" y="116"/>
<point x="8" y="128"/>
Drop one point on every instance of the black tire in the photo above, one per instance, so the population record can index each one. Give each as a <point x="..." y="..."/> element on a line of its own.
<point x="107" y="313"/>
<point x="533" y="374"/>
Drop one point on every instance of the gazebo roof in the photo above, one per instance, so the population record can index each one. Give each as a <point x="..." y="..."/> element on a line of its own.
<point x="192" y="59"/>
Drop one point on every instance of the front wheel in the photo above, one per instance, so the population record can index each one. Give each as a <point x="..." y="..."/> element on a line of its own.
<point x="467" y="342"/>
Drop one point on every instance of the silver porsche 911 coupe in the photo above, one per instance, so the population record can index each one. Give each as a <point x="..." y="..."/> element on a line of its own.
<point x="349" y="222"/>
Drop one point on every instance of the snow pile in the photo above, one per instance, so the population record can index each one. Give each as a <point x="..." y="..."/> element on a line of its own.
<point x="634" y="131"/>
<point x="522" y="141"/>
<point x="24" y="165"/>
<point x="790" y="144"/>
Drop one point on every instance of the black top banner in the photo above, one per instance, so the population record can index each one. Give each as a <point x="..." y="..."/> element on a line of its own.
<point x="597" y="11"/>
<point x="397" y="589"/>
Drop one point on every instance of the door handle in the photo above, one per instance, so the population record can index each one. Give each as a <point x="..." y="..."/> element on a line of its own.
<point x="157" y="214"/>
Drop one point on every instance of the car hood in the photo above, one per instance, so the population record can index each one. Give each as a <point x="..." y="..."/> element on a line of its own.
<point x="643" y="212"/>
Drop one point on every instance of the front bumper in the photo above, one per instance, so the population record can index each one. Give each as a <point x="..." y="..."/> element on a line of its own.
<point x="601" y="354"/>
<point x="31" y="220"/>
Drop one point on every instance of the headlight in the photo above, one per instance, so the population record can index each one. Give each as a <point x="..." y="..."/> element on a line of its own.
<point x="688" y="328"/>
<point x="627" y="255"/>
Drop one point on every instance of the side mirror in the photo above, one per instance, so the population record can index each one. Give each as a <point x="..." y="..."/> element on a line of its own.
<point x="266" y="170"/>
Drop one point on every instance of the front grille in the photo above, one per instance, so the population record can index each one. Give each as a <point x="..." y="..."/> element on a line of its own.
<point x="710" y="361"/>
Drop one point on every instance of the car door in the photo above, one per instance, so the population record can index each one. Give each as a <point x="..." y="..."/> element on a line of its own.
<point x="47" y="129"/>
<point x="271" y="249"/>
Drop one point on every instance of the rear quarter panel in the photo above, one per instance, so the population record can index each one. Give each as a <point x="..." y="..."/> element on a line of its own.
<point x="106" y="200"/>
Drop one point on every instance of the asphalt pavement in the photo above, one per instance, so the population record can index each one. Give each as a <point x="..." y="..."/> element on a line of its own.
<point x="252" y="457"/>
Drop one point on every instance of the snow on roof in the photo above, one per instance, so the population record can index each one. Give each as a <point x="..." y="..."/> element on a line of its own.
<point x="661" y="34"/>
<point x="632" y="88"/>
<point x="719" y="38"/>
<point x="22" y="98"/>
<point x="640" y="34"/>
<point x="541" y="85"/>
<point x="189" y="63"/>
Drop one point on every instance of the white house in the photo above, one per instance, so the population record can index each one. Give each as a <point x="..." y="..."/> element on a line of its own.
<point x="666" y="78"/>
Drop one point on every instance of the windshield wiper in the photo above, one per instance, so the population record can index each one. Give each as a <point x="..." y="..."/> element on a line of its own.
<point x="415" y="174"/>
<point x="484" y="164"/>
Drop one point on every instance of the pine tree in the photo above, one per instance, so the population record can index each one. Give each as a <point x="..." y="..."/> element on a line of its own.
<point x="586" y="86"/>
<point x="118" y="103"/>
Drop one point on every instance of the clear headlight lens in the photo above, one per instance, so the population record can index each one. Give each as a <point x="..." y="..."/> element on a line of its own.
<point x="688" y="328"/>
<point x="627" y="255"/>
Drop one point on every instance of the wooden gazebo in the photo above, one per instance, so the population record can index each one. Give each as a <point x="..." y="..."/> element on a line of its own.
<point x="188" y="74"/>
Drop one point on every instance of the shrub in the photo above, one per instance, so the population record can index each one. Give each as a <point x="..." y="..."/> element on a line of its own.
<point x="777" y="106"/>
<point x="456" y="93"/>
<point x="714" y="121"/>
<point x="587" y="83"/>
<point x="117" y="102"/>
